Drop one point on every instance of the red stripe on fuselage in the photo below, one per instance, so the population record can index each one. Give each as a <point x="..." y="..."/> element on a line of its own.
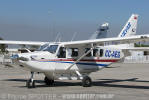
<point x="85" y="60"/>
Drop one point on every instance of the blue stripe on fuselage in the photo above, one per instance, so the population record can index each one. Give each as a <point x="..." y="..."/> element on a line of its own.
<point x="81" y="63"/>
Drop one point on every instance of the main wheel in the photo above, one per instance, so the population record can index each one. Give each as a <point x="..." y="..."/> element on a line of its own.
<point x="30" y="84"/>
<point x="33" y="84"/>
<point x="48" y="81"/>
<point x="86" y="81"/>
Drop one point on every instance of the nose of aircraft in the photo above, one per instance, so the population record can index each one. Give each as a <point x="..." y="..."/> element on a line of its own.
<point x="29" y="61"/>
<point x="14" y="56"/>
<point x="19" y="57"/>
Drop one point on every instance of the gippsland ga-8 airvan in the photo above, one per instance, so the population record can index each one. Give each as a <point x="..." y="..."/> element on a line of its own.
<point x="75" y="60"/>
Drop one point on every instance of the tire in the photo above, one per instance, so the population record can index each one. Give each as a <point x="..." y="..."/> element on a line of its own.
<point x="33" y="84"/>
<point x="86" y="82"/>
<point x="48" y="81"/>
<point x="28" y="83"/>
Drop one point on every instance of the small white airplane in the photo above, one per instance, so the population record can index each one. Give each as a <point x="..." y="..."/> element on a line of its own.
<point x="75" y="60"/>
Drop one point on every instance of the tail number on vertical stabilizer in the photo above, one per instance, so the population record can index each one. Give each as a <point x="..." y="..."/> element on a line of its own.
<point x="115" y="54"/>
<point x="125" y="30"/>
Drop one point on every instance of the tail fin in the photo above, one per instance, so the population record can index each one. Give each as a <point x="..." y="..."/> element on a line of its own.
<point x="130" y="27"/>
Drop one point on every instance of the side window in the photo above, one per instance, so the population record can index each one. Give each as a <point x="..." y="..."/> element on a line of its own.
<point x="74" y="52"/>
<point x="101" y="52"/>
<point x="86" y="50"/>
<point x="62" y="52"/>
<point x="95" y="52"/>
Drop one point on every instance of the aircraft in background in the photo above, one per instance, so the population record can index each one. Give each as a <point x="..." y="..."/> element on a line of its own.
<point x="75" y="60"/>
<point x="101" y="31"/>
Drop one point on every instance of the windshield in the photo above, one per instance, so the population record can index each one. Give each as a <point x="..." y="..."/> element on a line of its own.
<point x="51" y="48"/>
<point x="42" y="47"/>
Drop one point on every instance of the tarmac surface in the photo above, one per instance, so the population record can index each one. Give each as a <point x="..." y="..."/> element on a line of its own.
<point x="118" y="82"/>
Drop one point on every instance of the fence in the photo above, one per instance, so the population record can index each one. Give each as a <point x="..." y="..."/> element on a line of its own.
<point x="139" y="59"/>
<point x="5" y="59"/>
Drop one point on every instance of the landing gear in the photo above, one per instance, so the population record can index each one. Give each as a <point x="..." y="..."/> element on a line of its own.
<point x="48" y="81"/>
<point x="86" y="81"/>
<point x="31" y="83"/>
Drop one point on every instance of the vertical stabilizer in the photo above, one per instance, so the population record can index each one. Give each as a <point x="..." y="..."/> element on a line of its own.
<point x="130" y="27"/>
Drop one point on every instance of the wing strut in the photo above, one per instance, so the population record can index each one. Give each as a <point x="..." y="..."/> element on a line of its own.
<point x="92" y="47"/>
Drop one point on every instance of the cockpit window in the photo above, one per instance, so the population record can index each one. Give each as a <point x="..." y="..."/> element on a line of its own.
<point x="42" y="47"/>
<point x="51" y="48"/>
<point x="62" y="52"/>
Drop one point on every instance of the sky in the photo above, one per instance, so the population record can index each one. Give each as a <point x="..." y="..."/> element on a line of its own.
<point x="44" y="20"/>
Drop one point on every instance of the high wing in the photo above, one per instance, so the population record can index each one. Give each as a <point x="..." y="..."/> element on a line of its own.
<point x="137" y="48"/>
<point x="36" y="43"/>
<point x="116" y="40"/>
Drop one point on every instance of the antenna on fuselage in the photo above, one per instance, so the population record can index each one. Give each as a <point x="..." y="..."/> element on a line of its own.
<point x="74" y="35"/>
<point x="57" y="37"/>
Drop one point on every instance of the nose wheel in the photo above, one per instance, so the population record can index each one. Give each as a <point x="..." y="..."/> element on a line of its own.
<point x="31" y="82"/>
<point x="86" y="81"/>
